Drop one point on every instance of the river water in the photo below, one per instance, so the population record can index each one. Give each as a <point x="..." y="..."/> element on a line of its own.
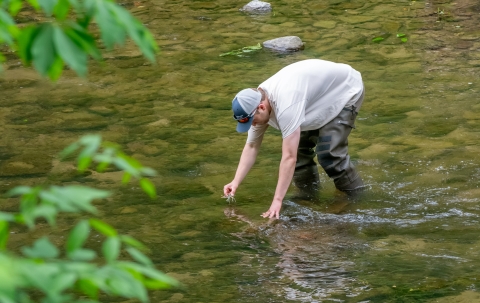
<point x="413" y="237"/>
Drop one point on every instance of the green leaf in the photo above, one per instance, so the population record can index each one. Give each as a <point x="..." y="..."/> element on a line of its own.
<point x="111" y="249"/>
<point x="19" y="191"/>
<point x="88" y="287"/>
<point x="42" y="248"/>
<point x="78" y="236"/>
<point x="404" y="40"/>
<point x="47" y="6"/>
<point x="69" y="150"/>
<point x="161" y="280"/>
<point x="61" y="9"/>
<point x="147" y="171"/>
<point x="4" y="233"/>
<point x="34" y="3"/>
<point x="73" y="198"/>
<point x="139" y="256"/>
<point x="82" y="255"/>
<point x="15" y="6"/>
<point x="92" y="144"/>
<point x="5" y="18"/>
<point x="399" y="35"/>
<point x="103" y="228"/>
<point x="126" y="178"/>
<point x="8" y="28"/>
<point x="61" y="282"/>
<point x="47" y="196"/>
<point x="112" y="32"/>
<point x="7" y="217"/>
<point x="124" y="284"/>
<point x="378" y="39"/>
<point x="43" y="50"/>
<point x="24" y="41"/>
<point x="56" y="69"/>
<point x="103" y="158"/>
<point x="84" y="40"/>
<point x="28" y="203"/>
<point x="77" y="196"/>
<point x="48" y="212"/>
<point x="148" y="187"/>
<point x="102" y="166"/>
<point x="132" y="242"/>
<point x="140" y="35"/>
<point x="38" y="274"/>
<point x="84" y="162"/>
<point x="70" y="52"/>
<point x="126" y="166"/>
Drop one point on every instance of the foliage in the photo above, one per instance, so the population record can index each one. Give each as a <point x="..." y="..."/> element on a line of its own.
<point x="378" y="39"/>
<point x="67" y="35"/>
<point x="239" y="52"/>
<point x="75" y="272"/>
<point x="402" y="37"/>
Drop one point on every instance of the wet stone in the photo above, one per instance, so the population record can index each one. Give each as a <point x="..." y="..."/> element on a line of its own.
<point x="102" y="110"/>
<point x="285" y="44"/>
<point x="288" y="24"/>
<point x="257" y="7"/>
<point x="325" y="24"/>
<point x="270" y="28"/>
<point x="356" y="19"/>
<point x="26" y="164"/>
<point x="128" y="210"/>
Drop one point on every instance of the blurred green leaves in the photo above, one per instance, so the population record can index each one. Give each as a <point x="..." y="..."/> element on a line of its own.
<point x="66" y="37"/>
<point x="402" y="37"/>
<point x="91" y="150"/>
<point x="77" y="273"/>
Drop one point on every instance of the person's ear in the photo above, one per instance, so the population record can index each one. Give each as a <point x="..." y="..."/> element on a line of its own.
<point x="262" y="106"/>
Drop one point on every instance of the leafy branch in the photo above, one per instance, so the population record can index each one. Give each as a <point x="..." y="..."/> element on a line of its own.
<point x="65" y="38"/>
<point x="66" y="277"/>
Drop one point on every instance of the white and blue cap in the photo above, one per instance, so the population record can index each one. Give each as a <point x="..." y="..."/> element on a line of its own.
<point x="244" y="105"/>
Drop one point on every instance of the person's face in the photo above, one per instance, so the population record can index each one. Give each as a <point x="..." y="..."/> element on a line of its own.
<point x="261" y="116"/>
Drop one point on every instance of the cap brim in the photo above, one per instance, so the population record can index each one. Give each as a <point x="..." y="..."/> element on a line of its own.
<point x="244" y="127"/>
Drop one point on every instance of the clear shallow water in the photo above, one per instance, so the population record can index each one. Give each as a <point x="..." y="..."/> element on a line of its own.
<point x="412" y="238"/>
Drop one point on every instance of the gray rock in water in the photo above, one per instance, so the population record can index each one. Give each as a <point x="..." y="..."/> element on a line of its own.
<point x="257" y="7"/>
<point x="285" y="44"/>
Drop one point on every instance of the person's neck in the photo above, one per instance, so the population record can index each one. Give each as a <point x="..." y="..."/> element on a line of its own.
<point x="267" y="103"/>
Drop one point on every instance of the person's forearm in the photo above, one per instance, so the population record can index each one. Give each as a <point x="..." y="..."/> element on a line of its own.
<point x="249" y="155"/>
<point x="287" y="168"/>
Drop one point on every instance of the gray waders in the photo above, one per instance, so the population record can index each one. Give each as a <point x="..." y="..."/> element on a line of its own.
<point x="330" y="144"/>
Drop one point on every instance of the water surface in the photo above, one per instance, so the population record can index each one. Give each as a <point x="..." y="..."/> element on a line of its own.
<point x="412" y="238"/>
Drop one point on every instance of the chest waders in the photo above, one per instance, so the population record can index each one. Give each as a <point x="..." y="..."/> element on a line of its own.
<point x="330" y="144"/>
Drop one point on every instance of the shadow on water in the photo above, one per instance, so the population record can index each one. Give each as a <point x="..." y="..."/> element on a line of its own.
<point x="314" y="251"/>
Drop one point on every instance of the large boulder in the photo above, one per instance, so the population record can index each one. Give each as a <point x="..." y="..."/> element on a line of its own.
<point x="257" y="7"/>
<point x="285" y="44"/>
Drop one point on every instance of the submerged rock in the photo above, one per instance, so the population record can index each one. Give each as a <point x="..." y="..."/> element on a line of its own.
<point x="285" y="44"/>
<point x="257" y="7"/>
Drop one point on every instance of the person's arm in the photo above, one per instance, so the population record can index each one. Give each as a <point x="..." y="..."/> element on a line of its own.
<point x="249" y="154"/>
<point x="287" y="168"/>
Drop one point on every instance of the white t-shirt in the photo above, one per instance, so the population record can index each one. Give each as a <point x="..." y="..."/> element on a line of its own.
<point x="308" y="94"/>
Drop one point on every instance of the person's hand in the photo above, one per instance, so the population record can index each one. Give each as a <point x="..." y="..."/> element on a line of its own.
<point x="230" y="189"/>
<point x="274" y="211"/>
